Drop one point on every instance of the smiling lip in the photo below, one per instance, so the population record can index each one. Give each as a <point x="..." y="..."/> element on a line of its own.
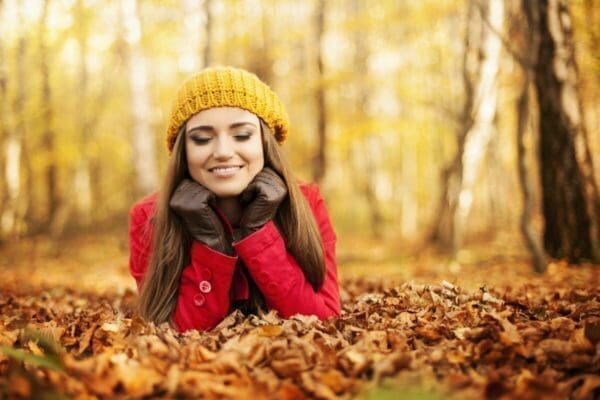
<point x="225" y="171"/>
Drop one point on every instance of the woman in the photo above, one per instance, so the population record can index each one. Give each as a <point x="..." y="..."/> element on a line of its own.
<point x="231" y="228"/>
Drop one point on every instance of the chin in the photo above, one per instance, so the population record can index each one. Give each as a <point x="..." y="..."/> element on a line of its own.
<point x="227" y="192"/>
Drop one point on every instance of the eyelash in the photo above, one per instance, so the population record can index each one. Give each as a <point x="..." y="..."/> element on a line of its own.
<point x="243" y="136"/>
<point x="199" y="140"/>
<point x="204" y="140"/>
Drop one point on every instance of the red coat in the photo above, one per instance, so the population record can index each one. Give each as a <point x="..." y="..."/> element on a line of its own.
<point x="213" y="280"/>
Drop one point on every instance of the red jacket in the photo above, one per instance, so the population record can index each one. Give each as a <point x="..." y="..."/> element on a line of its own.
<point x="213" y="280"/>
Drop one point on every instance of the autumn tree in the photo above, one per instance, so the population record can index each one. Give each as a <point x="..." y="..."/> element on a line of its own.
<point x="480" y="70"/>
<point x="4" y="115"/>
<point x="524" y="104"/>
<point x="82" y="180"/>
<point x="207" y="53"/>
<point x="12" y="214"/>
<point x="143" y="145"/>
<point x="53" y="192"/>
<point x="320" y="160"/>
<point x="192" y="13"/>
<point x="571" y="204"/>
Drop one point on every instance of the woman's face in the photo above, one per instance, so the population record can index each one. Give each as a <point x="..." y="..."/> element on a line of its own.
<point x="224" y="149"/>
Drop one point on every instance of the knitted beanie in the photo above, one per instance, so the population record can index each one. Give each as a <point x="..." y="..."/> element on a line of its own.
<point x="222" y="87"/>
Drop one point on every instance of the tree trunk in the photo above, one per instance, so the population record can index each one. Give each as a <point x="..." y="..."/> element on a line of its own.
<point x="442" y="232"/>
<point x="408" y="171"/>
<point x="320" y="160"/>
<point x="4" y="122"/>
<point x="143" y="138"/>
<point x="53" y="194"/>
<point x="260" y="59"/>
<point x="532" y="240"/>
<point x="12" y="217"/>
<point x="481" y="65"/>
<point x="82" y="178"/>
<point x="368" y="143"/>
<point x="191" y="54"/>
<point x="208" y="33"/>
<point x="571" y="205"/>
<point x="372" y="148"/>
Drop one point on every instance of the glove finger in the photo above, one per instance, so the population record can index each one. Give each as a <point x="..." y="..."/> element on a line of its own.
<point x="249" y="193"/>
<point x="273" y="188"/>
<point x="190" y="198"/>
<point x="272" y="177"/>
<point x="184" y="185"/>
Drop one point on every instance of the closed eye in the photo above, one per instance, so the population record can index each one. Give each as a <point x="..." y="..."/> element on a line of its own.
<point x="200" y="140"/>
<point x="243" y="136"/>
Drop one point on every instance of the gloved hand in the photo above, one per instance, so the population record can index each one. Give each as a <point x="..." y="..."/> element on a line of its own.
<point x="193" y="202"/>
<point x="260" y="200"/>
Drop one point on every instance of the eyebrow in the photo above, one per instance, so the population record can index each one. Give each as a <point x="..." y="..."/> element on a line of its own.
<point x="209" y="128"/>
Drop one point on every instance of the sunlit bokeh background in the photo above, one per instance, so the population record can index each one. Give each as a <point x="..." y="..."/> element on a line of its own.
<point x="83" y="82"/>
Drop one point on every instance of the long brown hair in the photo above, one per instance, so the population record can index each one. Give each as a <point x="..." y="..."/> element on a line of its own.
<point x="171" y="242"/>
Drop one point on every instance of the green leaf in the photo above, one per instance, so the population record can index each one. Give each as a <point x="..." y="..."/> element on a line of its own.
<point x="404" y="393"/>
<point x="46" y="361"/>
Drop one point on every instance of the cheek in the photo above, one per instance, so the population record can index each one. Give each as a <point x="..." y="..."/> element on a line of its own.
<point x="195" y="158"/>
<point x="256" y="160"/>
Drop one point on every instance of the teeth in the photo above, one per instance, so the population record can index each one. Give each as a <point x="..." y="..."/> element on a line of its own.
<point x="225" y="169"/>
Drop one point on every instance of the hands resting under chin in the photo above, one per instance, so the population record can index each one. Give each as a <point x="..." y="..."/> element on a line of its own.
<point x="195" y="205"/>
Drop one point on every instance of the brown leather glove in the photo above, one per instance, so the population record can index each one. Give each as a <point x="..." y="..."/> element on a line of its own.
<point x="260" y="200"/>
<point x="193" y="203"/>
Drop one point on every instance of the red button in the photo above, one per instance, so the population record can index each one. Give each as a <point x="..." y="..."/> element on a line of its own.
<point x="199" y="299"/>
<point x="205" y="286"/>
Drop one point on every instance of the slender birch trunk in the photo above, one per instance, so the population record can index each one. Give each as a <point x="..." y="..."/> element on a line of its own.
<point x="82" y="177"/>
<point x="208" y="33"/>
<point x="483" y="55"/>
<point x="368" y="145"/>
<point x="4" y="120"/>
<point x="53" y="193"/>
<point x="143" y="139"/>
<point x="320" y="160"/>
<point x="11" y="222"/>
<point x="482" y="115"/>
<point x="191" y="55"/>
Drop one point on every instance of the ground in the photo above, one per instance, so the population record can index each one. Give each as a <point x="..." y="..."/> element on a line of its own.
<point x="414" y="327"/>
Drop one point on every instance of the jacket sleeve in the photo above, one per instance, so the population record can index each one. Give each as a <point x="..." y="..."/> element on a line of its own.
<point x="280" y="278"/>
<point x="203" y="297"/>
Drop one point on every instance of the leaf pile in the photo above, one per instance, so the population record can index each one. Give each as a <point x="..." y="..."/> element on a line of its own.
<point x="532" y="342"/>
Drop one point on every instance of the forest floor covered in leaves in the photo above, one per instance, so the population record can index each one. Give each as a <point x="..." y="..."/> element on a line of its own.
<point x="411" y="328"/>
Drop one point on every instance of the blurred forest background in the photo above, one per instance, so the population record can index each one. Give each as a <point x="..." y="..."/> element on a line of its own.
<point x="442" y="122"/>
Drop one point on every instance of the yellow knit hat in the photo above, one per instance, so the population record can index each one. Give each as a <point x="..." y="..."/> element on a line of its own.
<point x="227" y="86"/>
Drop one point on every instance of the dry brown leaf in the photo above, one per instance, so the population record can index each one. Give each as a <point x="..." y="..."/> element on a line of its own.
<point x="289" y="391"/>
<point x="317" y="389"/>
<point x="472" y="342"/>
<point x="510" y="335"/>
<point x="270" y="330"/>
<point x="353" y="362"/>
<point x="428" y="333"/>
<point x="86" y="338"/>
<point x="592" y="329"/>
<point x="334" y="379"/>
<point x="591" y="383"/>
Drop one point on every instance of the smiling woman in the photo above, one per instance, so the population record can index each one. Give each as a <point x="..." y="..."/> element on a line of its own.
<point x="224" y="149"/>
<point x="231" y="227"/>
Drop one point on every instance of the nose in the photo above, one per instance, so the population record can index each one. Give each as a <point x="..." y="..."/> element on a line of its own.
<point x="224" y="148"/>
